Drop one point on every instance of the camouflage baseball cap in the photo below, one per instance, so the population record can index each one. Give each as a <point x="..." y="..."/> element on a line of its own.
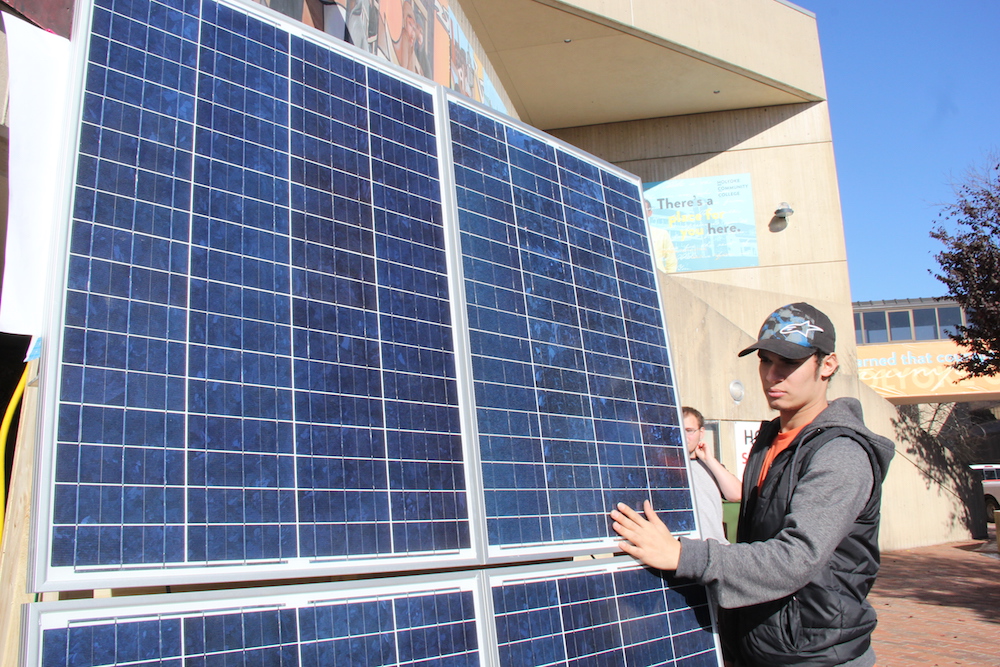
<point x="795" y="331"/>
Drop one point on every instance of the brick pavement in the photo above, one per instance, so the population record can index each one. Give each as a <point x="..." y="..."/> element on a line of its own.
<point x="939" y="606"/>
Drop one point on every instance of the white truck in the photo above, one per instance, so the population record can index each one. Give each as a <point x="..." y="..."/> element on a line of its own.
<point x="991" y="487"/>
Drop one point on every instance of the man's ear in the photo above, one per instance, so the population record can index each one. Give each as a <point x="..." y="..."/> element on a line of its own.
<point x="829" y="366"/>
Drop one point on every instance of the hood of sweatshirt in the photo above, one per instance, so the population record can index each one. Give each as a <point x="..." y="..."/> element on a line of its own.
<point x="847" y="412"/>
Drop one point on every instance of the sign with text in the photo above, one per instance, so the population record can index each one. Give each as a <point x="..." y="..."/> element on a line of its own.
<point x="918" y="372"/>
<point x="702" y="224"/>
<point x="743" y="435"/>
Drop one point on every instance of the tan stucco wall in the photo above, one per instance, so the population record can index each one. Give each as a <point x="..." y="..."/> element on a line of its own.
<point x="711" y="315"/>
<point x="788" y="152"/>
<point x="769" y="38"/>
<point x="920" y="502"/>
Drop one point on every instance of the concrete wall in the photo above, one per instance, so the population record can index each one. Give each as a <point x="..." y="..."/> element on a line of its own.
<point x="772" y="39"/>
<point x="788" y="153"/>
<point x="928" y="497"/>
<point x="711" y="315"/>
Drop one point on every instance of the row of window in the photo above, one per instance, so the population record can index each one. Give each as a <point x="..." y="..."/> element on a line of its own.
<point x="928" y="323"/>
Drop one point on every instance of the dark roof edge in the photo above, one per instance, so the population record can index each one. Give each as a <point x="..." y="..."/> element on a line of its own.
<point x="905" y="303"/>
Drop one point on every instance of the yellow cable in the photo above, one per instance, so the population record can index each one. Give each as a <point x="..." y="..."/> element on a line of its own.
<point x="8" y="417"/>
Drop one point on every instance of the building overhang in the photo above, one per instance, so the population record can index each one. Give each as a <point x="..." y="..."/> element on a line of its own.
<point x="588" y="62"/>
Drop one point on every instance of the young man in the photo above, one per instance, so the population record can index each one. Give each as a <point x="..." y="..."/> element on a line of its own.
<point x="793" y="587"/>
<point x="710" y="481"/>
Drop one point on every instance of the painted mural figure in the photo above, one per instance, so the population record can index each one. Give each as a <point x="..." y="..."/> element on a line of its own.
<point x="664" y="252"/>
<point x="424" y="37"/>
<point x="411" y="39"/>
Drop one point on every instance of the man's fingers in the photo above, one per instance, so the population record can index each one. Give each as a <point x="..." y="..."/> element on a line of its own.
<point x="627" y="517"/>
<point x="622" y="523"/>
<point x="629" y="548"/>
<point x="628" y="512"/>
<point x="647" y="508"/>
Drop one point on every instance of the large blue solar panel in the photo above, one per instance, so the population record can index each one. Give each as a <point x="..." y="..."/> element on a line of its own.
<point x="405" y="623"/>
<point x="575" y="403"/>
<point x="257" y="359"/>
<point x="609" y="613"/>
<point x="605" y="615"/>
<point x="304" y="291"/>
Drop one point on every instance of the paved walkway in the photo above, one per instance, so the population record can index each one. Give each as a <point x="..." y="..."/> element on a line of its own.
<point x="939" y="606"/>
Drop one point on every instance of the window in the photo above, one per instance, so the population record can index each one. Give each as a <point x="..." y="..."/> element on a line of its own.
<point x="875" y="329"/>
<point x="899" y="325"/>
<point x="950" y="318"/>
<point x="925" y="323"/>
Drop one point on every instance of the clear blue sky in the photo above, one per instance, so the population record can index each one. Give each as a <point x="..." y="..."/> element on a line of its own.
<point x="914" y="95"/>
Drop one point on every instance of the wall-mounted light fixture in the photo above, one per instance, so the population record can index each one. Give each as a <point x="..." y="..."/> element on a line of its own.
<point x="736" y="391"/>
<point x="780" y="219"/>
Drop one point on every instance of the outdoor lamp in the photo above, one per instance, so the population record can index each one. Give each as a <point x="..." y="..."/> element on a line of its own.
<point x="736" y="390"/>
<point x="784" y="210"/>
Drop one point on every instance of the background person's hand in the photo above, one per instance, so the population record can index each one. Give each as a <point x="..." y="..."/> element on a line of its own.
<point x="703" y="452"/>
<point x="647" y="538"/>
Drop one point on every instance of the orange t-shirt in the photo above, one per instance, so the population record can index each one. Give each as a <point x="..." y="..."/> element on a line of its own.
<point x="780" y="444"/>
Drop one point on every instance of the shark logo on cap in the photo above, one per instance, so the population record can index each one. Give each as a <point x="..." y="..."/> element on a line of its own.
<point x="804" y="328"/>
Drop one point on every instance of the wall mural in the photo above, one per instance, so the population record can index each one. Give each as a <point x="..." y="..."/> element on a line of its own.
<point x="422" y="36"/>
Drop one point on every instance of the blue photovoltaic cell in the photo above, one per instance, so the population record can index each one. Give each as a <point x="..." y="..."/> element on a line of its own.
<point x="423" y="628"/>
<point x="575" y="402"/>
<point x="257" y="359"/>
<point x="632" y="618"/>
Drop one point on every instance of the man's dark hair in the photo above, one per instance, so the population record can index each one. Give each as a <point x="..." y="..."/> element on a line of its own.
<point x="687" y="410"/>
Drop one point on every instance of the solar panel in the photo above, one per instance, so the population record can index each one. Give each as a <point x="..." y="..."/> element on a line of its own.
<point x="610" y="614"/>
<point x="321" y="316"/>
<point x="252" y="370"/>
<point x="575" y="403"/>
<point x="415" y="621"/>
<point x="573" y="614"/>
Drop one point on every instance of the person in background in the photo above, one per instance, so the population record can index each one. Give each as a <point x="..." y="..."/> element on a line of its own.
<point x="710" y="481"/>
<point x="793" y="588"/>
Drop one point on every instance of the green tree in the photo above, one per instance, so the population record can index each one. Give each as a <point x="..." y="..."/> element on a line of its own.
<point x="969" y="229"/>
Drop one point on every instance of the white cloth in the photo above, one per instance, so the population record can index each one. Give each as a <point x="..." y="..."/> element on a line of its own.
<point x="707" y="502"/>
<point x="39" y="162"/>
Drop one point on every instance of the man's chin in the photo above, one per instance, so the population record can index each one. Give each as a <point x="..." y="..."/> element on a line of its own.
<point x="775" y="403"/>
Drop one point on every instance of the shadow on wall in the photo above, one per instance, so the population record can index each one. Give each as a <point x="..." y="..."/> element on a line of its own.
<point x="944" y="444"/>
<point x="659" y="149"/>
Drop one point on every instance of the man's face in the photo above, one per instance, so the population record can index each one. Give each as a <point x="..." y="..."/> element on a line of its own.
<point x="692" y="432"/>
<point x="793" y="384"/>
